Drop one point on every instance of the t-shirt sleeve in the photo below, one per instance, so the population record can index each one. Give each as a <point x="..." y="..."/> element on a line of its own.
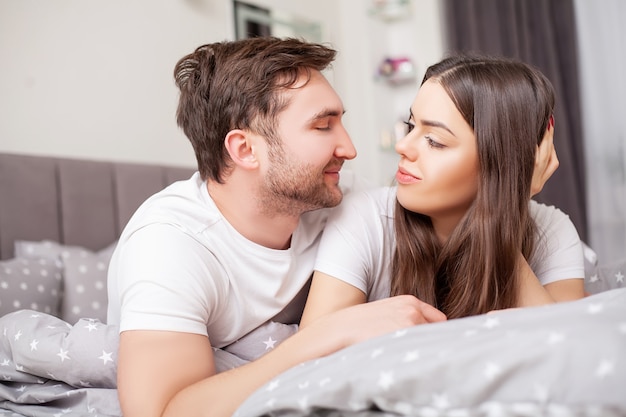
<point x="164" y="281"/>
<point x="352" y="242"/>
<point x="558" y="249"/>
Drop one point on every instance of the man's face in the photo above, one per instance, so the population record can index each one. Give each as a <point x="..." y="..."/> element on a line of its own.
<point x="303" y="172"/>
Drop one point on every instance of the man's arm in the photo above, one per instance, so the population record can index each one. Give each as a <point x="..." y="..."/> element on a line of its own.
<point x="154" y="365"/>
<point x="221" y="394"/>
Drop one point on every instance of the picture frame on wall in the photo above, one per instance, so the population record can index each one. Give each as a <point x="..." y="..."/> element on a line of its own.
<point x="252" y="20"/>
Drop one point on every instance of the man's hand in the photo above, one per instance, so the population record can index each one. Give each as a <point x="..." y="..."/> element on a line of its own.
<point x="546" y="161"/>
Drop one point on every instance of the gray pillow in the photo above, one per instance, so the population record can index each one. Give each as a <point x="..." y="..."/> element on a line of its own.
<point x="84" y="276"/>
<point x="33" y="284"/>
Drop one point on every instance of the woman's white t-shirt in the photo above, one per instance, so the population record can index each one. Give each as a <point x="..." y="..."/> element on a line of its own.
<point x="358" y="243"/>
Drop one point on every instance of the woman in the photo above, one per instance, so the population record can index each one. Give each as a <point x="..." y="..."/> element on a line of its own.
<point x="459" y="231"/>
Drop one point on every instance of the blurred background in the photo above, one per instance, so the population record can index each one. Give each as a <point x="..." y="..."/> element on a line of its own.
<point x="93" y="79"/>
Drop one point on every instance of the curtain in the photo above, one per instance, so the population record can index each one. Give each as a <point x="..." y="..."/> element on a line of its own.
<point x="542" y="33"/>
<point x="602" y="57"/>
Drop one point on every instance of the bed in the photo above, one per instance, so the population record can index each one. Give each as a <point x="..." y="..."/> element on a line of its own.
<point x="59" y="222"/>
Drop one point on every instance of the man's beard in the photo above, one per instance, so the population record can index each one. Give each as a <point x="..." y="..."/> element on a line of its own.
<point x="292" y="189"/>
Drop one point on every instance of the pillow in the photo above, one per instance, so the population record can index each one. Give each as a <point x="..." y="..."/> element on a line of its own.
<point x="84" y="276"/>
<point x="564" y="359"/>
<point x="605" y="277"/>
<point x="30" y="284"/>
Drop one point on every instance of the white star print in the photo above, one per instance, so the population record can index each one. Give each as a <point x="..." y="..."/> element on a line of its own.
<point x="491" y="370"/>
<point x="272" y="386"/>
<point x="491" y="322"/>
<point x="270" y="403"/>
<point x="33" y="345"/>
<point x="269" y="343"/>
<point x="385" y="381"/>
<point x="324" y="381"/>
<point x="411" y="356"/>
<point x="63" y="354"/>
<point x="5" y="362"/>
<point x="106" y="357"/>
<point x="399" y="333"/>
<point x="440" y="401"/>
<point x="555" y="338"/>
<point x="619" y="277"/>
<point x="18" y="335"/>
<point x="594" y="308"/>
<point x="593" y="278"/>
<point x="91" y="326"/>
<point x="470" y="332"/>
<point x="376" y="353"/>
<point x="605" y="368"/>
<point x="21" y="388"/>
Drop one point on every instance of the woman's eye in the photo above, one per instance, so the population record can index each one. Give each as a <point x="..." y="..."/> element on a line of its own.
<point x="409" y="126"/>
<point x="433" y="143"/>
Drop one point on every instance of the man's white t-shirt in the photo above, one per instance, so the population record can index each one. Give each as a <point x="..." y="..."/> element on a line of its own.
<point x="358" y="243"/>
<point x="180" y="266"/>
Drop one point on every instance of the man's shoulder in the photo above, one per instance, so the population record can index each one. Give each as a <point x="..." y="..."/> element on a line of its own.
<point x="185" y="204"/>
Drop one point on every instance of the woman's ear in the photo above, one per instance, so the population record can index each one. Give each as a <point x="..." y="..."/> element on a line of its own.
<point x="241" y="147"/>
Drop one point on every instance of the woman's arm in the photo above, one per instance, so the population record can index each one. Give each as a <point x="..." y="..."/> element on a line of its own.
<point x="329" y="294"/>
<point x="532" y="293"/>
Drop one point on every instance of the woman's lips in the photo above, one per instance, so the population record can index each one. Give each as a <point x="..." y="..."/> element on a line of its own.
<point x="404" y="177"/>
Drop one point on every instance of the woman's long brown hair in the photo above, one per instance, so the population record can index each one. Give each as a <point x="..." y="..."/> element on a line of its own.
<point x="508" y="105"/>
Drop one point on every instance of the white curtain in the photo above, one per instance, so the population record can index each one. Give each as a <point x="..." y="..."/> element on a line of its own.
<point x="602" y="64"/>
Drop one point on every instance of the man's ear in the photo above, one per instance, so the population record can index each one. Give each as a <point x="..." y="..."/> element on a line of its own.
<point x="241" y="147"/>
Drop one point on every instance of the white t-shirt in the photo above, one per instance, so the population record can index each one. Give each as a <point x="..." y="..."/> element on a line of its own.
<point x="358" y="243"/>
<point x="180" y="266"/>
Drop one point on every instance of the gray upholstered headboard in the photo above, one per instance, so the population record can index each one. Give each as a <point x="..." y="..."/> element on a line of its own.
<point x="73" y="201"/>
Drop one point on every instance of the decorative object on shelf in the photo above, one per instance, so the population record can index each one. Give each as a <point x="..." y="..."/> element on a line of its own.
<point x="388" y="138"/>
<point x="391" y="9"/>
<point x="397" y="70"/>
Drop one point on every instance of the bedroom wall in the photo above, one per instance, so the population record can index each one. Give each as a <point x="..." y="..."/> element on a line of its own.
<point x="94" y="79"/>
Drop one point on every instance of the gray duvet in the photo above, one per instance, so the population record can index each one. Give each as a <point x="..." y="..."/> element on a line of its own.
<point x="567" y="359"/>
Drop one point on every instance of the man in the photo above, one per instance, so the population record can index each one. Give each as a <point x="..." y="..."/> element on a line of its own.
<point x="208" y="260"/>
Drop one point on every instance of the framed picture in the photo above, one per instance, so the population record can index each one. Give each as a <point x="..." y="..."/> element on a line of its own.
<point x="252" y="20"/>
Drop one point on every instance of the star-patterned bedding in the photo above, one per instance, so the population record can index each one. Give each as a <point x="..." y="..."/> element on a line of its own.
<point x="49" y="368"/>
<point x="566" y="359"/>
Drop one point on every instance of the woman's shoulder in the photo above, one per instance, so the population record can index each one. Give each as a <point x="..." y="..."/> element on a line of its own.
<point x="380" y="199"/>
<point x="549" y="218"/>
<point x="542" y="212"/>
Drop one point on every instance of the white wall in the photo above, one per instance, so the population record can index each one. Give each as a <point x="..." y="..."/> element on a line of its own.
<point x="92" y="79"/>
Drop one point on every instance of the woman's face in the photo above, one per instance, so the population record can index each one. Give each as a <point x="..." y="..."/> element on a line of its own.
<point x="438" y="169"/>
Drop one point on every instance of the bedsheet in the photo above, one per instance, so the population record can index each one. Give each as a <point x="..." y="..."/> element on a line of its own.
<point x="566" y="359"/>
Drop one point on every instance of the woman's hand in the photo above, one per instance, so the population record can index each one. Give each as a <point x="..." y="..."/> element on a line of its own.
<point x="546" y="161"/>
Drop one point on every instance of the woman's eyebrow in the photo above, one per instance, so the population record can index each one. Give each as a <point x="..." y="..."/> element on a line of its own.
<point x="434" y="123"/>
